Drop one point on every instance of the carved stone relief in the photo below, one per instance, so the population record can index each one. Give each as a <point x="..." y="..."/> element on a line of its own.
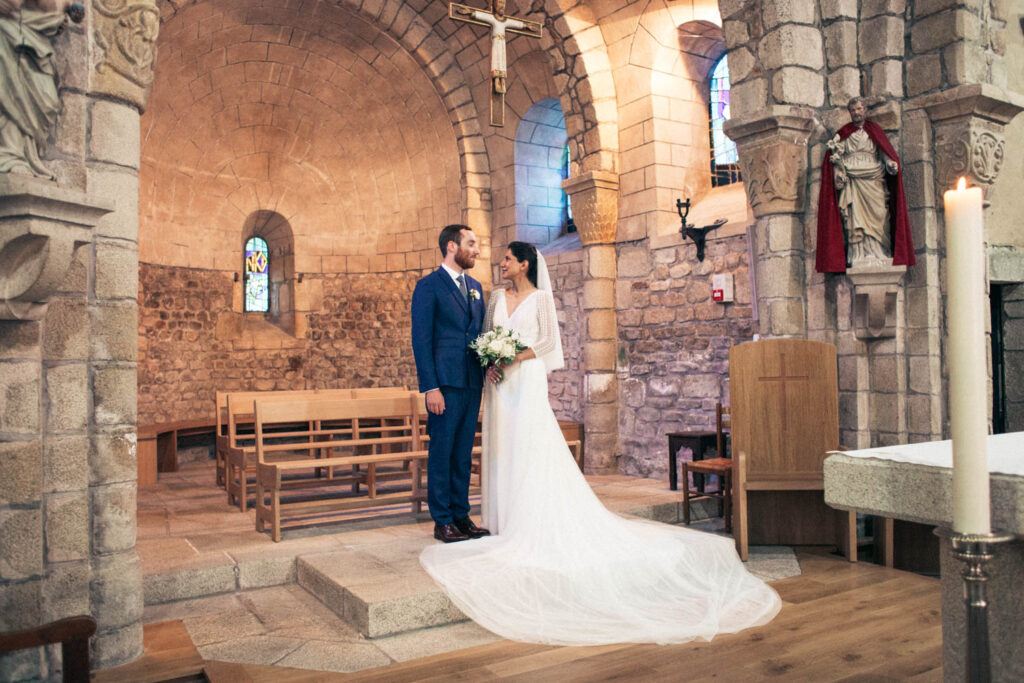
<point x="769" y="173"/>
<point x="773" y="155"/>
<point x="125" y="33"/>
<point x="595" y="205"/>
<point x="974" y="154"/>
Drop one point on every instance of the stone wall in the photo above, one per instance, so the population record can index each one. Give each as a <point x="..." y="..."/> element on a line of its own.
<point x="674" y="342"/>
<point x="565" y="386"/>
<point x="358" y="337"/>
<point x="1013" y="356"/>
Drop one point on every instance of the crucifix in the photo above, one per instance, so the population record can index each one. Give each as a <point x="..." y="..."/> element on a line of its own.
<point x="782" y="378"/>
<point x="499" y="25"/>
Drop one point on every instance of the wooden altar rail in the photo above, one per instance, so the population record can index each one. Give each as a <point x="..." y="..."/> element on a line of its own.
<point x="239" y="449"/>
<point x="72" y="633"/>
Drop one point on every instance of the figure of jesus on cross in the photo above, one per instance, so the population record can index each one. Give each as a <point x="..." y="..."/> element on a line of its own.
<point x="499" y="24"/>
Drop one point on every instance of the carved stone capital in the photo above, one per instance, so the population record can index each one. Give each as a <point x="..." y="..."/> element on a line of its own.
<point x="40" y="228"/>
<point x="595" y="205"/>
<point x="875" y="288"/>
<point x="968" y="123"/>
<point x="773" y="156"/>
<point x="124" y="48"/>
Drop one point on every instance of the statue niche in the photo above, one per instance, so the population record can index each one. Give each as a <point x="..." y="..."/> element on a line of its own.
<point x="29" y="103"/>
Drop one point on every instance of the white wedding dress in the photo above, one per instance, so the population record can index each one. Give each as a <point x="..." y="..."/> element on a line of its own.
<point x="559" y="567"/>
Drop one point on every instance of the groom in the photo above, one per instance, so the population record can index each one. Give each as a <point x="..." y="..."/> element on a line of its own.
<point x="447" y="314"/>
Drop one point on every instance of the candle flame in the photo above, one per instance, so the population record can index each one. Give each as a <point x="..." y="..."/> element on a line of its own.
<point x="961" y="184"/>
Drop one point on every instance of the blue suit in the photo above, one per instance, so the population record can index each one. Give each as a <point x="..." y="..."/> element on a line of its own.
<point x="443" y="325"/>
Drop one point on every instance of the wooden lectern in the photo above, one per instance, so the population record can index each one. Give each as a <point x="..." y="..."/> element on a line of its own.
<point x="785" y="419"/>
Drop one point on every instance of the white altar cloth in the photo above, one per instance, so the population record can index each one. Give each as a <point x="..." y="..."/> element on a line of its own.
<point x="1005" y="453"/>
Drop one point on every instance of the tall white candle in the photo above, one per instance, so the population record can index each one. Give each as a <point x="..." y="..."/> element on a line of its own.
<point x="968" y="368"/>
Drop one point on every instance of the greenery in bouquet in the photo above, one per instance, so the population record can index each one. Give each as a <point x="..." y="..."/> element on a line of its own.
<point x="497" y="347"/>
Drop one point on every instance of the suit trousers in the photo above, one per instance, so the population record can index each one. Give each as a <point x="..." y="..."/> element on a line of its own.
<point x="449" y="456"/>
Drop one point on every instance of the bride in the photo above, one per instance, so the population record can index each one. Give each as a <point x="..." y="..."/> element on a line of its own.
<point x="560" y="568"/>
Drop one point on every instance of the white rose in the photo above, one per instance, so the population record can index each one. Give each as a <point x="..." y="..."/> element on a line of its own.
<point x="496" y="346"/>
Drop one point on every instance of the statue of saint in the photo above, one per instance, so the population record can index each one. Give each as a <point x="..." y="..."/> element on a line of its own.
<point x="862" y="210"/>
<point x="29" y="103"/>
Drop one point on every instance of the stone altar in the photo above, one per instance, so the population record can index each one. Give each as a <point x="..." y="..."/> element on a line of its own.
<point x="915" y="483"/>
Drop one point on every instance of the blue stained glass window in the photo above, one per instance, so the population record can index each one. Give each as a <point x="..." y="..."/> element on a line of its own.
<point x="725" y="149"/>
<point x="257" y="275"/>
<point x="724" y="157"/>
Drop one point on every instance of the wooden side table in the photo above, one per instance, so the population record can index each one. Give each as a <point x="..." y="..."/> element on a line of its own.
<point x="698" y="442"/>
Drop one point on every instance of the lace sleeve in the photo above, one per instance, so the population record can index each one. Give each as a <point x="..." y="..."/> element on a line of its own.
<point x="492" y="304"/>
<point x="547" y="320"/>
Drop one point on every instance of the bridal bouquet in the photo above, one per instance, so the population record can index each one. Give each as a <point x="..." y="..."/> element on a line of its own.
<point x="498" y="347"/>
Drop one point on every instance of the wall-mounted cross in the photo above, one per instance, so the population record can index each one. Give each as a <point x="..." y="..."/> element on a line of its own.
<point x="782" y="378"/>
<point x="499" y="24"/>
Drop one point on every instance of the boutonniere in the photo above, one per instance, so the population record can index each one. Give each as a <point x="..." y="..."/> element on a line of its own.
<point x="474" y="295"/>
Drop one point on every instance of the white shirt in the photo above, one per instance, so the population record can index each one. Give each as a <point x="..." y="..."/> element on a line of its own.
<point x="454" y="275"/>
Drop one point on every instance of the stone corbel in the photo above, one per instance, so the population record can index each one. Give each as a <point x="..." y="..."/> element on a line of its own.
<point x="968" y="123"/>
<point x="875" y="289"/>
<point x="124" y="44"/>
<point x="773" y="157"/>
<point x="41" y="225"/>
<point x="595" y="205"/>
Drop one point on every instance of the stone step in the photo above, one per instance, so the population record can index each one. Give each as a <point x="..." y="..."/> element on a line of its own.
<point x="376" y="596"/>
<point x="380" y="589"/>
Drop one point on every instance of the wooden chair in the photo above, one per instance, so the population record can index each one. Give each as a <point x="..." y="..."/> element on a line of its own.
<point x="785" y="419"/>
<point x="720" y="467"/>
<point x="73" y="635"/>
<point x="723" y="428"/>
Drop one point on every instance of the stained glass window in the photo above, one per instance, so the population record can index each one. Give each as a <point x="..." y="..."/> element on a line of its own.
<point x="257" y="275"/>
<point x="570" y="224"/>
<point x="725" y="167"/>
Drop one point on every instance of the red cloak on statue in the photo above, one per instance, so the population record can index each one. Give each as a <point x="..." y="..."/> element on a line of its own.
<point x="831" y="253"/>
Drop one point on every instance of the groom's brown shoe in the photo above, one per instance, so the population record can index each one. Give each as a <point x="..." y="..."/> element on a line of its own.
<point x="448" y="533"/>
<point x="467" y="527"/>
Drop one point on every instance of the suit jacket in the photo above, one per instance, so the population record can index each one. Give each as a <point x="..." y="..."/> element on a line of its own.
<point x="443" y="325"/>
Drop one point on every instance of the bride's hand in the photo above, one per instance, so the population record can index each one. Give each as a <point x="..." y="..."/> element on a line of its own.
<point x="493" y="374"/>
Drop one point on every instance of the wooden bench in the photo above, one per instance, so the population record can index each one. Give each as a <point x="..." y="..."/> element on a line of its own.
<point x="240" y="449"/>
<point x="574" y="438"/>
<point x="337" y="436"/>
<point x="157" y="447"/>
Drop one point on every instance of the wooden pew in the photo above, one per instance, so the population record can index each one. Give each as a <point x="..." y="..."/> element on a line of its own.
<point x="336" y="429"/>
<point x="240" y="451"/>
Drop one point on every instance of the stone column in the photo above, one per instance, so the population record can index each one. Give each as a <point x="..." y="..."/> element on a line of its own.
<point x="594" y="197"/>
<point x="68" y="347"/>
<point x="773" y="155"/>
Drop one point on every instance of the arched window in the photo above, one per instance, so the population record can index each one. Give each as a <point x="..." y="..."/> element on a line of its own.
<point x="725" y="167"/>
<point x="569" y="223"/>
<point x="257" y="276"/>
<point x="541" y="160"/>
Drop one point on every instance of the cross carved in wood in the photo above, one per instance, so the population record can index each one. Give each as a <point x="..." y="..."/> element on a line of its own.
<point x="782" y="378"/>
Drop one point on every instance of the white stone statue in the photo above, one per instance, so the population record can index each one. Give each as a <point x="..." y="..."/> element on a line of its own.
<point x="29" y="103"/>
<point x="859" y="171"/>
<point x="499" y="24"/>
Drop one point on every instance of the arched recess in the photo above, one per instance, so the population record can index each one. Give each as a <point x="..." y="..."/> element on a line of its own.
<point x="277" y="232"/>
<point x="673" y="155"/>
<point x="583" y="76"/>
<point x="540" y="148"/>
<point x="322" y="22"/>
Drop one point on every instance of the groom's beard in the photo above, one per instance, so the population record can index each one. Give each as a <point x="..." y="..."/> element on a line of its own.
<point x="464" y="259"/>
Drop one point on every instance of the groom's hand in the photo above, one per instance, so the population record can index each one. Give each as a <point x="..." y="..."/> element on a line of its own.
<point x="435" y="401"/>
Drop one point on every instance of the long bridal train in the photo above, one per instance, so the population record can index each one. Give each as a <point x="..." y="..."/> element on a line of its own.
<point x="561" y="569"/>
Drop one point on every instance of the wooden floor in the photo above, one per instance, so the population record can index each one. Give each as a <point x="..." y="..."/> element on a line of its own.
<point x="839" y="622"/>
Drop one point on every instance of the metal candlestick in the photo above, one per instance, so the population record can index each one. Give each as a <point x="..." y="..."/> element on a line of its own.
<point x="975" y="550"/>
